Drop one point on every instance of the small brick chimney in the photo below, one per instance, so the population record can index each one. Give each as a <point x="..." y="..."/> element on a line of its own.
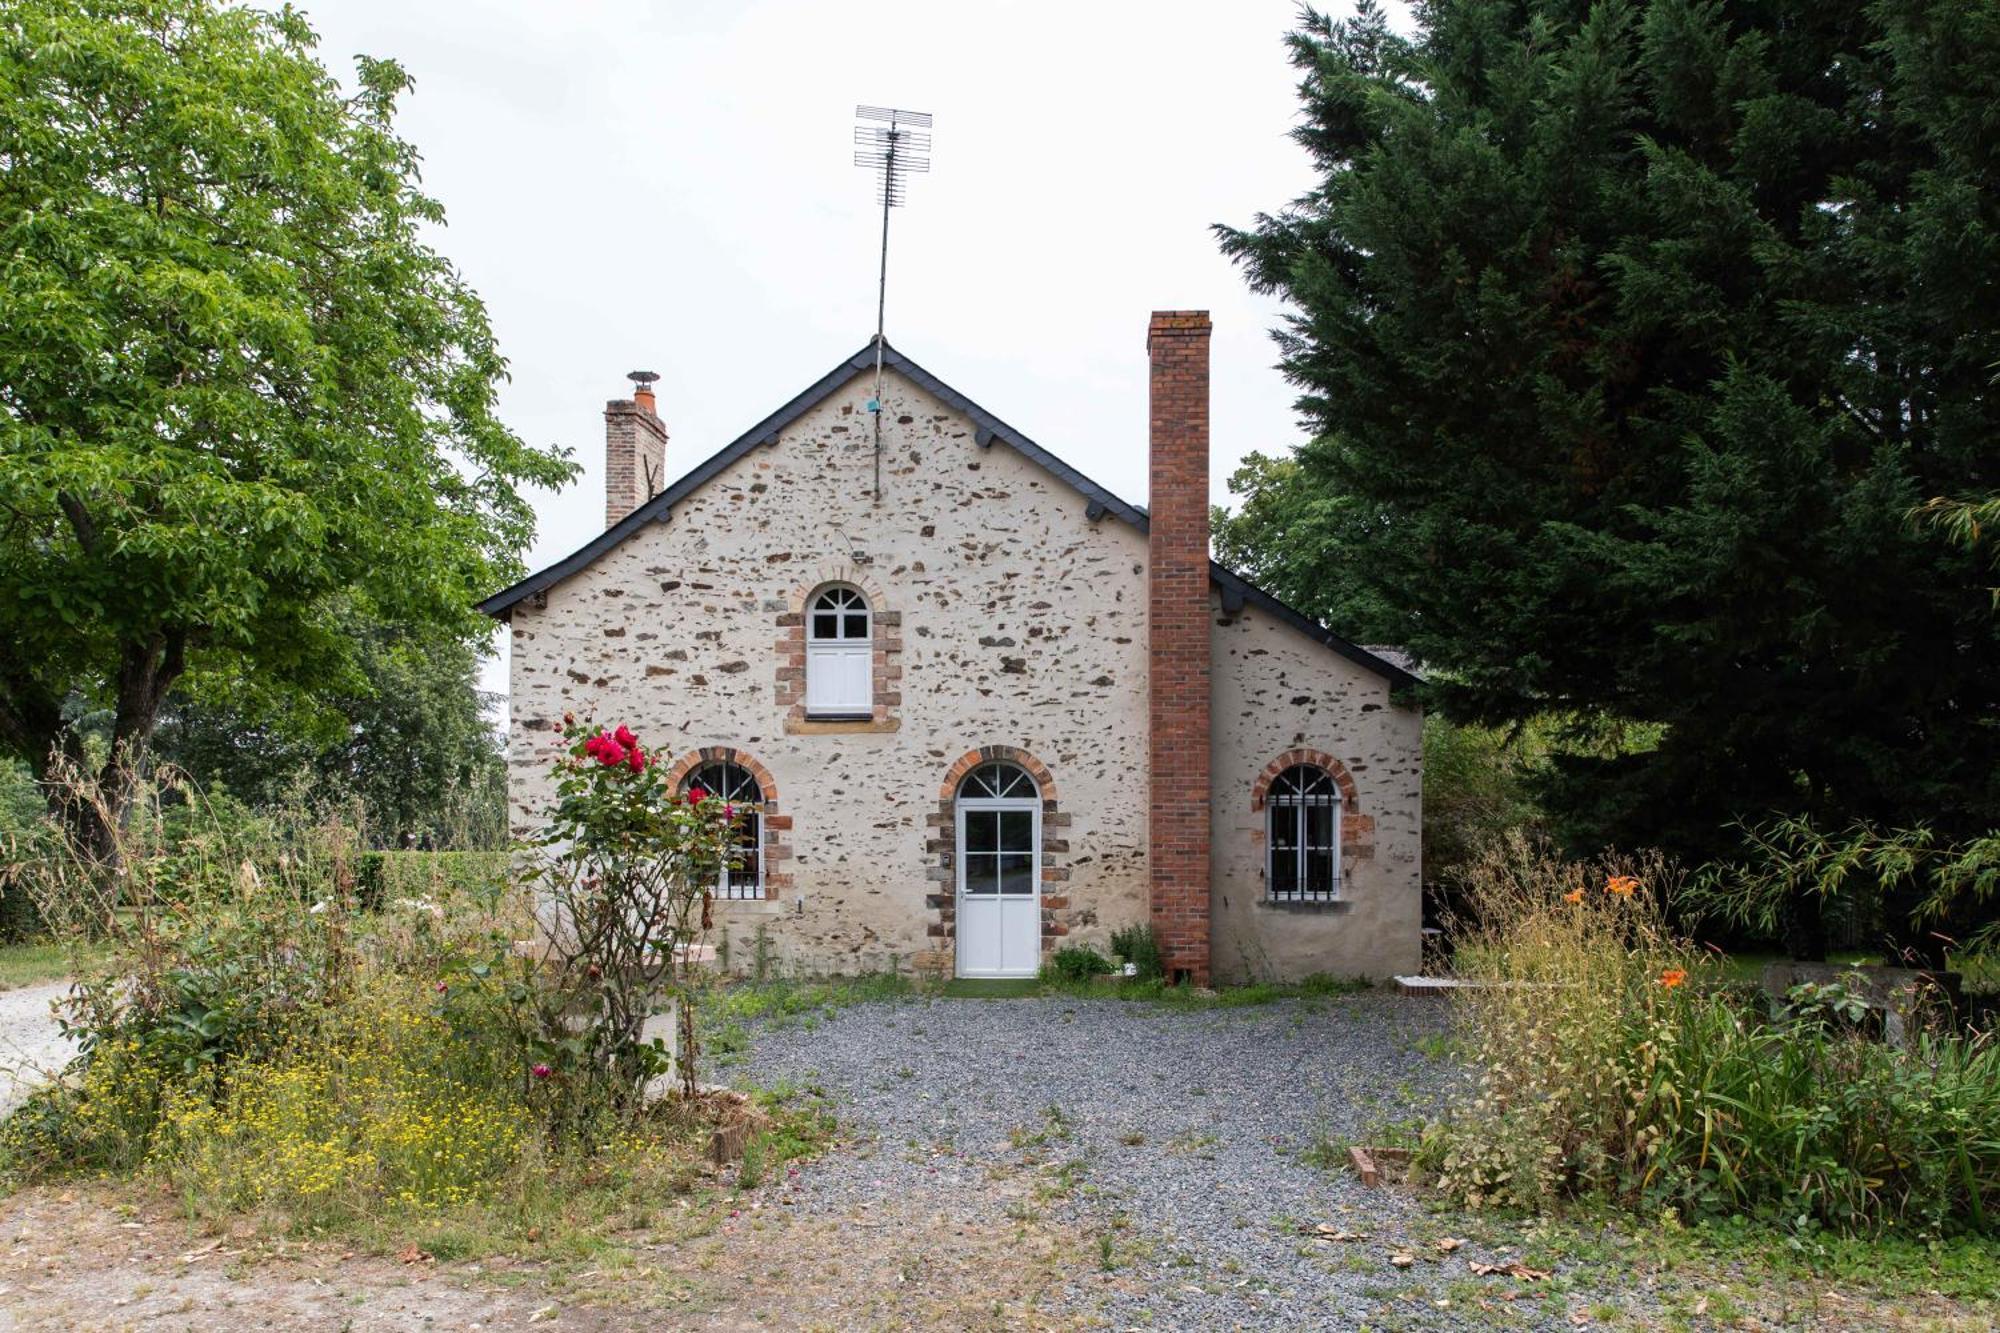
<point x="635" y="449"/>
<point x="1177" y="622"/>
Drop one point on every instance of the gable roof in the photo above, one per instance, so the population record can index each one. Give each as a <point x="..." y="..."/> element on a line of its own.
<point x="1236" y="590"/>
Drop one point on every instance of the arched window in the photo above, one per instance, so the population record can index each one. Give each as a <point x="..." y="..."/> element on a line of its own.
<point x="734" y="784"/>
<point x="840" y="655"/>
<point x="997" y="781"/>
<point x="1303" y="810"/>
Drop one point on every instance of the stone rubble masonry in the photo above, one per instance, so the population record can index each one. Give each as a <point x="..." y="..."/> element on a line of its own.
<point x="1177" y="619"/>
<point x="635" y="454"/>
<point x="1019" y="630"/>
<point x="1012" y="619"/>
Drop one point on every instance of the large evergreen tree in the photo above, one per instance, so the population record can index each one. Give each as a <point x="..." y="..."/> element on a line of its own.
<point x="1629" y="336"/>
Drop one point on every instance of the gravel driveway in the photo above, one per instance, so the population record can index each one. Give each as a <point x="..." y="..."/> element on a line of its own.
<point x="1172" y="1137"/>
<point x="31" y="1045"/>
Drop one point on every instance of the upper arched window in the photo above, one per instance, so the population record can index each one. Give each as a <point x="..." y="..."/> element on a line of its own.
<point x="1303" y="810"/>
<point x="998" y="781"/>
<point x="733" y="783"/>
<point x="840" y="654"/>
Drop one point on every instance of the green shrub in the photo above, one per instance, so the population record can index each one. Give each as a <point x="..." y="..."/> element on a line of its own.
<point x="1611" y="1065"/>
<point x="1078" y="962"/>
<point x="1138" y="946"/>
<point x="381" y="877"/>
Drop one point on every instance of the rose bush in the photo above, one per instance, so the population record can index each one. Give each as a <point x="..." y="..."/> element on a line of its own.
<point x="624" y="875"/>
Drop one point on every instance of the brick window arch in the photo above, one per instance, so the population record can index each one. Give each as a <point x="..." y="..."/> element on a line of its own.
<point x="941" y="844"/>
<point x="881" y="711"/>
<point x="1357" y="829"/>
<point x="776" y="851"/>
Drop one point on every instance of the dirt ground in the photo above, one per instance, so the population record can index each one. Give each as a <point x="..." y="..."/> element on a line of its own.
<point x="102" y="1259"/>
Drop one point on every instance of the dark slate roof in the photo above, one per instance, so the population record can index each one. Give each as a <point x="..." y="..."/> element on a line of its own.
<point x="1236" y="590"/>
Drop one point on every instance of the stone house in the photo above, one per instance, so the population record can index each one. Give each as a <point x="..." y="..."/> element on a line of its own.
<point x="976" y="705"/>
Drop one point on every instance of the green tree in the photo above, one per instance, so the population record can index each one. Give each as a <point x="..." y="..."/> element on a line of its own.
<point x="404" y="736"/>
<point x="1290" y="534"/>
<point x="237" y="387"/>
<point x="1629" y="336"/>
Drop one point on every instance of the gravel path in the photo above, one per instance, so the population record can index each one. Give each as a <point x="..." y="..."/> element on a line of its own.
<point x="32" y="1047"/>
<point x="1171" y="1137"/>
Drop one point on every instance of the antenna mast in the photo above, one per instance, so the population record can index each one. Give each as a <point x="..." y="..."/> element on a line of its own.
<point x="892" y="143"/>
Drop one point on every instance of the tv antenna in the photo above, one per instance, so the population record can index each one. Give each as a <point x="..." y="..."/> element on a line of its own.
<point x="893" y="144"/>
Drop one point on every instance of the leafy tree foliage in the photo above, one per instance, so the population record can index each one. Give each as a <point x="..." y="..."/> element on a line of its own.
<point x="403" y="737"/>
<point x="237" y="387"/>
<point x="1630" y="335"/>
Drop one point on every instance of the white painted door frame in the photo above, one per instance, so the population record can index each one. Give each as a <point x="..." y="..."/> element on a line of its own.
<point x="999" y="934"/>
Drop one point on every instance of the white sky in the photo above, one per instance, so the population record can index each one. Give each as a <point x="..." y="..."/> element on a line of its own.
<point x="670" y="187"/>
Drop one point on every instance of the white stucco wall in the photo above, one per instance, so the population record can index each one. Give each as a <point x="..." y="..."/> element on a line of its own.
<point x="1023" y="624"/>
<point x="1274" y="691"/>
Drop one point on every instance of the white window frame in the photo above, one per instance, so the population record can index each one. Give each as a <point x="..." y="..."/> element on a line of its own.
<point x="836" y="657"/>
<point x="1294" y="806"/>
<point x="734" y="884"/>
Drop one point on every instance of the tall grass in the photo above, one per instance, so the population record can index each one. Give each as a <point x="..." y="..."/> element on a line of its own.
<point x="257" y="1040"/>
<point x="1613" y="1064"/>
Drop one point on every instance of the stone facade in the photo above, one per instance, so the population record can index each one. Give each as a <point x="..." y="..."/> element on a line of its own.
<point x="1282" y="699"/>
<point x="1011" y="622"/>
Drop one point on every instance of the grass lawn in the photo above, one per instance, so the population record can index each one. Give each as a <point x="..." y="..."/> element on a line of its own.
<point x="1750" y="966"/>
<point x="1981" y="974"/>
<point x="31" y="963"/>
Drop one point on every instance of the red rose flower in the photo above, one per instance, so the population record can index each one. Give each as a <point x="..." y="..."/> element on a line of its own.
<point x="696" y="795"/>
<point x="635" y="760"/>
<point x="611" y="756"/>
<point x="624" y="736"/>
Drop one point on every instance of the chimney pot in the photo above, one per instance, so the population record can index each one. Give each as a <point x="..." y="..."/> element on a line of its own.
<point x="643" y="393"/>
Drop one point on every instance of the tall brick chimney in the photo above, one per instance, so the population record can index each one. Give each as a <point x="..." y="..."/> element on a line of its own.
<point x="1177" y="623"/>
<point x="635" y="449"/>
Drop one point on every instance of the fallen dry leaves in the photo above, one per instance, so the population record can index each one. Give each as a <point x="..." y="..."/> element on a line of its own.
<point x="1326" y="1231"/>
<point x="1514" y="1269"/>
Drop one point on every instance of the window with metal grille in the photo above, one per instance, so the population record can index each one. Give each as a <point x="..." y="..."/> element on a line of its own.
<point x="733" y="783"/>
<point x="1303" y="846"/>
<point x="840" y="655"/>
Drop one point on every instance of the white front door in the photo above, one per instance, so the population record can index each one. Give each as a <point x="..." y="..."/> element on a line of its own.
<point x="999" y="887"/>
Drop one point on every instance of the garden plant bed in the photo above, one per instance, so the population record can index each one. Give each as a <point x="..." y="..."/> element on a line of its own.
<point x="1054" y="1162"/>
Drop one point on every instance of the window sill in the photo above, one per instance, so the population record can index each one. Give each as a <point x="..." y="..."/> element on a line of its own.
<point x="1308" y="906"/>
<point x="753" y="906"/>
<point x="838" y="726"/>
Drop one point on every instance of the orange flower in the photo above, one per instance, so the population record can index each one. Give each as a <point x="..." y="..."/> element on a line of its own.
<point x="1672" y="977"/>
<point x="1623" y="886"/>
<point x="1573" y="896"/>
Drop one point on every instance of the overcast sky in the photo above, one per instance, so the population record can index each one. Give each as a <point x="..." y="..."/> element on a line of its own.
<point x="670" y="187"/>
